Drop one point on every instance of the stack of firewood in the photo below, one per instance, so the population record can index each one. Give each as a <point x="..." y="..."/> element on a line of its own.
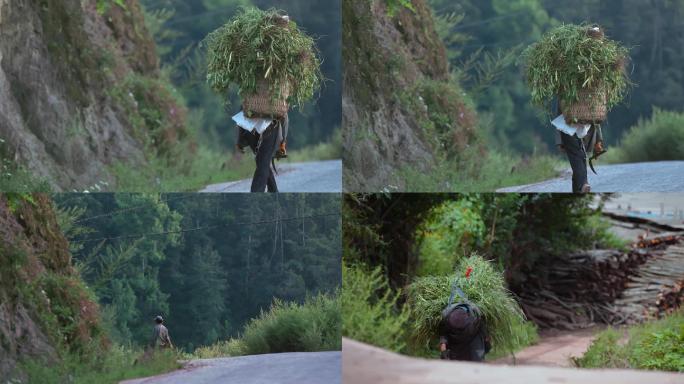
<point x="655" y="289"/>
<point x="606" y="286"/>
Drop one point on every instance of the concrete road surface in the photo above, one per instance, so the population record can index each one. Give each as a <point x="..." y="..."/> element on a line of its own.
<point x="364" y="364"/>
<point x="321" y="176"/>
<point x="278" y="368"/>
<point x="664" y="176"/>
<point x="554" y="349"/>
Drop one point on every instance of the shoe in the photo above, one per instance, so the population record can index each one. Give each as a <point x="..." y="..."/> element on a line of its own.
<point x="586" y="188"/>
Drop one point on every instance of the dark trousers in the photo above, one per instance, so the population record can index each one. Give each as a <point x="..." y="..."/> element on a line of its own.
<point x="474" y="350"/>
<point x="264" y="146"/>
<point x="577" y="155"/>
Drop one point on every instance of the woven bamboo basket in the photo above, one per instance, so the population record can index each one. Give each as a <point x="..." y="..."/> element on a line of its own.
<point x="591" y="107"/>
<point x="262" y="103"/>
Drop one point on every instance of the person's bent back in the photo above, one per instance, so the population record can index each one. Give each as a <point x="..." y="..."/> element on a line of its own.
<point x="463" y="334"/>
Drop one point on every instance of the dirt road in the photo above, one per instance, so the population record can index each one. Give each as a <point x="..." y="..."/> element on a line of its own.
<point x="554" y="349"/>
<point x="664" y="176"/>
<point x="280" y="368"/>
<point x="321" y="176"/>
<point x="364" y="364"/>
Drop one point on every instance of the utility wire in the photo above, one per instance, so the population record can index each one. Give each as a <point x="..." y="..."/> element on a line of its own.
<point x="134" y="208"/>
<point x="124" y="237"/>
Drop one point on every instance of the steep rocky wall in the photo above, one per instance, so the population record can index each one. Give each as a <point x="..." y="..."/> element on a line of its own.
<point x="384" y="55"/>
<point x="62" y="66"/>
<point x="44" y="307"/>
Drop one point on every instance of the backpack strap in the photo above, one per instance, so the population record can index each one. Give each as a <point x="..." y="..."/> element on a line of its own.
<point x="456" y="290"/>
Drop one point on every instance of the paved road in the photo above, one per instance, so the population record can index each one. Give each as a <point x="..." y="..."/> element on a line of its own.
<point x="322" y="176"/>
<point x="554" y="349"/>
<point x="364" y="364"/>
<point x="280" y="368"/>
<point x="664" y="176"/>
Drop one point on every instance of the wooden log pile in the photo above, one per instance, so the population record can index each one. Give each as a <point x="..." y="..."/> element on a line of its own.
<point x="655" y="289"/>
<point x="606" y="286"/>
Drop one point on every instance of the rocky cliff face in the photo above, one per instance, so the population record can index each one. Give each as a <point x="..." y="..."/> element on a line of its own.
<point x="395" y="74"/>
<point x="44" y="307"/>
<point x="67" y="107"/>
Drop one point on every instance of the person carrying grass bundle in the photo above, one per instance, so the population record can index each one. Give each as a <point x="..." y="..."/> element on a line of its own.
<point x="463" y="331"/>
<point x="585" y="72"/>
<point x="275" y="65"/>
<point x="487" y="316"/>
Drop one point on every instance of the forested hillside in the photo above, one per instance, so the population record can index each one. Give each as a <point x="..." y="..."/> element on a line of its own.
<point x="207" y="263"/>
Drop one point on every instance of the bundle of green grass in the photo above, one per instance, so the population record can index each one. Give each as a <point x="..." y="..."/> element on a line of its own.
<point x="485" y="287"/>
<point x="580" y="66"/>
<point x="263" y="52"/>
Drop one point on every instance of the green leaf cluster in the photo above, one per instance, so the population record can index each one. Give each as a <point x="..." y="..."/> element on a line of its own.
<point x="371" y="311"/>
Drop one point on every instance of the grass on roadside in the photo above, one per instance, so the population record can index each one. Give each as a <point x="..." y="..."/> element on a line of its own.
<point x="119" y="363"/>
<point x="657" y="345"/>
<point x="286" y="327"/>
<point x="480" y="173"/>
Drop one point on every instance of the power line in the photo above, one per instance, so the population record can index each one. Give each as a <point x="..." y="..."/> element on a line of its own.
<point x="129" y="209"/>
<point x="124" y="237"/>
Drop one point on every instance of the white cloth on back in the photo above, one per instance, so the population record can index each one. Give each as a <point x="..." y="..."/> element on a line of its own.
<point x="251" y="124"/>
<point x="581" y="130"/>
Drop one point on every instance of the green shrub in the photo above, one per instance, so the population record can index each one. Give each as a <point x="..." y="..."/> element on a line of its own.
<point x="370" y="310"/>
<point x="659" y="138"/>
<point x="393" y="6"/>
<point x="486" y="287"/>
<point x="657" y="345"/>
<point x="291" y="327"/>
<point x="451" y="232"/>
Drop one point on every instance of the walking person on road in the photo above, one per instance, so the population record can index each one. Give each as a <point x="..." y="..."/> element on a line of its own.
<point x="161" y="338"/>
